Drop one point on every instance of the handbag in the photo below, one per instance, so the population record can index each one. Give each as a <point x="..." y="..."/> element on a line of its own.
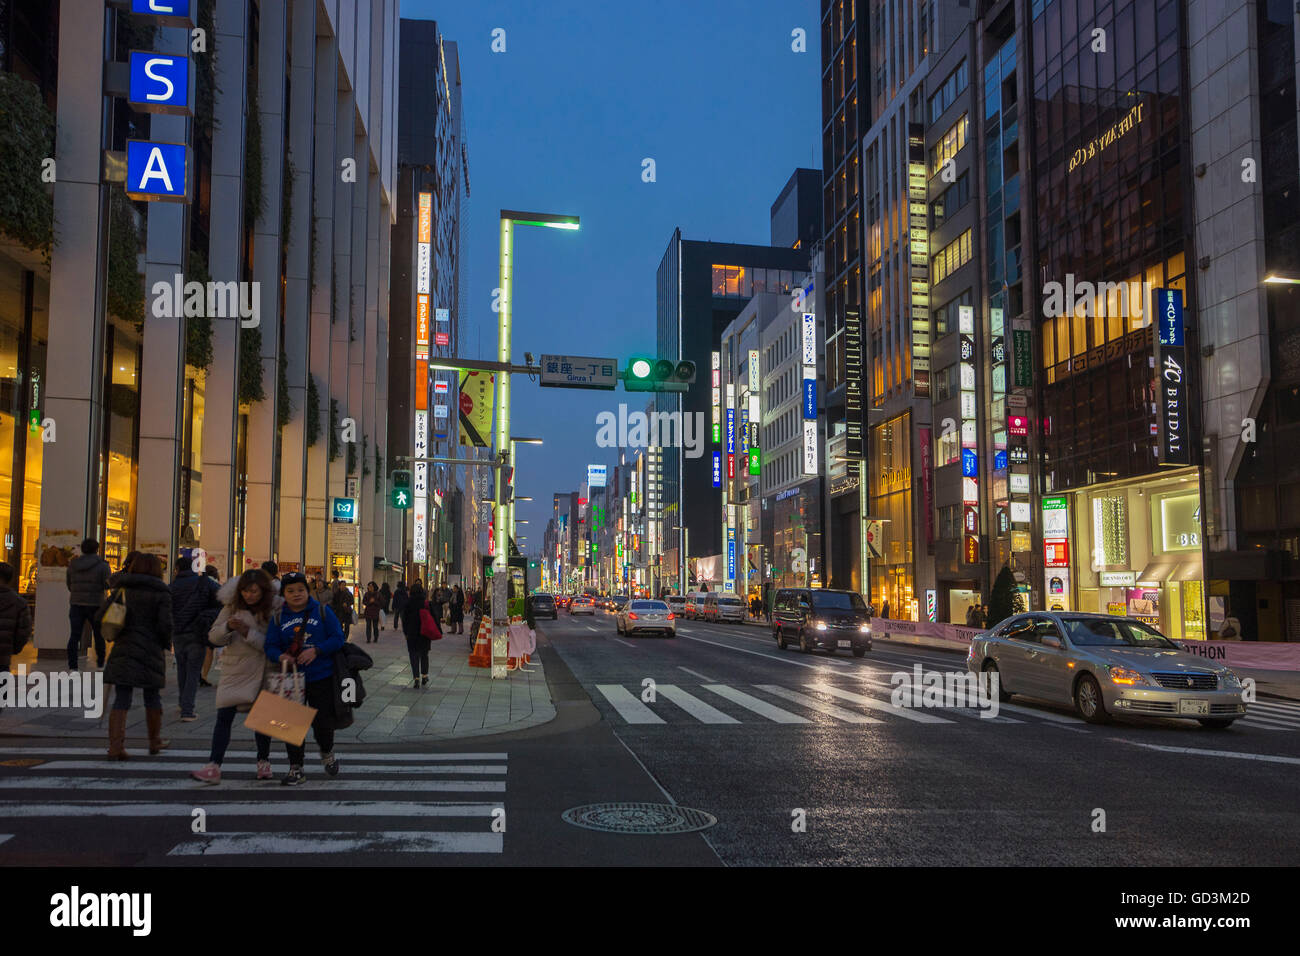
<point x="112" y="618"/>
<point x="287" y="684"/>
<point x="278" y="715"/>
<point x="428" y="626"/>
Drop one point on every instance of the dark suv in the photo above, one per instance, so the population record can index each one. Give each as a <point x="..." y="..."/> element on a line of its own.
<point x="821" y="617"/>
<point x="543" y="605"/>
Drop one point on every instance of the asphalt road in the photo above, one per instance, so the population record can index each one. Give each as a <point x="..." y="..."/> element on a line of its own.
<point x="800" y="758"/>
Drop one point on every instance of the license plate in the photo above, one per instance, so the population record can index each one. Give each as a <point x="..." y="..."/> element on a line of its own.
<point x="1198" y="708"/>
<point x="846" y="643"/>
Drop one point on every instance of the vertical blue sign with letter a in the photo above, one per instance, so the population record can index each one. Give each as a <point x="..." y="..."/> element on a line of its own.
<point x="157" y="171"/>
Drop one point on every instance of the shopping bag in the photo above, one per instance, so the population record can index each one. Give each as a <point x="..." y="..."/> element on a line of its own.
<point x="278" y="715"/>
<point x="428" y="626"/>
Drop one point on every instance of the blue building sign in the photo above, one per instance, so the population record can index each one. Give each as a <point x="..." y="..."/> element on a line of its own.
<point x="160" y="83"/>
<point x="731" y="554"/>
<point x="157" y="171"/>
<point x="969" y="463"/>
<point x="167" y="13"/>
<point x="999" y="460"/>
<point x="809" y="399"/>
<point x="345" y="510"/>
<point x="731" y="431"/>
<point x="717" y="469"/>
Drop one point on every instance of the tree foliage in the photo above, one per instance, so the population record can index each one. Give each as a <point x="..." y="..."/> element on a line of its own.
<point x="1005" y="599"/>
<point x="27" y="132"/>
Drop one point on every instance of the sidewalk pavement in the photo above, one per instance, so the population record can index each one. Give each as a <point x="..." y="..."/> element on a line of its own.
<point x="460" y="701"/>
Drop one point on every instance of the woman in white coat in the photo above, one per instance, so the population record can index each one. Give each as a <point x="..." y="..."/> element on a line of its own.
<point x="249" y="601"/>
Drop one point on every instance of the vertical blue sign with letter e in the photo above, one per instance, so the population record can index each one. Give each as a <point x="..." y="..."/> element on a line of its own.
<point x="160" y="83"/>
<point x="167" y="13"/>
<point x="157" y="172"/>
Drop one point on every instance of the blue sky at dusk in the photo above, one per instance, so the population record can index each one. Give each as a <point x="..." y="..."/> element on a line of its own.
<point x="561" y="122"/>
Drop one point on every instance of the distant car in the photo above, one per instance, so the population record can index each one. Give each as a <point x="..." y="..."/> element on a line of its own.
<point x="544" y="606"/>
<point x="646" y="615"/>
<point x="582" y="605"/>
<point x="722" y="606"/>
<point x="821" y="617"/>
<point x="695" y="605"/>
<point x="562" y="601"/>
<point x="677" y="604"/>
<point x="1103" y="665"/>
<point x="618" y="602"/>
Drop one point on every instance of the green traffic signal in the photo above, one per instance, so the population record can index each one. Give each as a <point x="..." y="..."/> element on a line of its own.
<point x="658" y="375"/>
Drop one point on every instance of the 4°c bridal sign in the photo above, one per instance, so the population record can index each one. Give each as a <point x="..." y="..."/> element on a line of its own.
<point x="157" y="172"/>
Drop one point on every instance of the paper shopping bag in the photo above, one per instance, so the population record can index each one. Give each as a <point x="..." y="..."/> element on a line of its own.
<point x="279" y="716"/>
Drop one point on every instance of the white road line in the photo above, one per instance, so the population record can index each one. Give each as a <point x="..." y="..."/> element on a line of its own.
<point x="1267" y="724"/>
<point x="592" y="629"/>
<point x="270" y="808"/>
<point x="629" y="708"/>
<point x="316" y="779"/>
<point x="344" y="752"/>
<point x="773" y="657"/>
<point x="383" y="841"/>
<point x="812" y="703"/>
<point x="1265" y="758"/>
<point x="1041" y="714"/>
<point x="134" y="765"/>
<point x="921" y="717"/>
<point x="707" y="680"/>
<point x="1275" y="708"/>
<point x="760" y="707"/>
<point x="704" y="713"/>
<point x="621" y="641"/>
<point x="5" y="837"/>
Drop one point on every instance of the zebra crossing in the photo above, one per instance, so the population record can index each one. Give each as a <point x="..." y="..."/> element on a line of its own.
<point x="420" y="804"/>
<point x="866" y="702"/>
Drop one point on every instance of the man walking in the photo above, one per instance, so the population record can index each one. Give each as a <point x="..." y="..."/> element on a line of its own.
<point x="194" y="609"/>
<point x="87" y="582"/>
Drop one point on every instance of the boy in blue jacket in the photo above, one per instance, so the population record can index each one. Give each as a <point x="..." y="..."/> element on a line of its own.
<point x="307" y="633"/>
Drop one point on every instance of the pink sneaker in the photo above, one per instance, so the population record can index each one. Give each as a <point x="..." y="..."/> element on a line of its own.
<point x="209" y="774"/>
<point x="264" y="770"/>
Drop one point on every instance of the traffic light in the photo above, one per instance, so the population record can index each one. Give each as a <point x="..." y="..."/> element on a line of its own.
<point x="645" y="374"/>
<point x="400" y="495"/>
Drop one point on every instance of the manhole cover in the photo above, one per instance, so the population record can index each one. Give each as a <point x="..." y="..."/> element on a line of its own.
<point x="639" y="818"/>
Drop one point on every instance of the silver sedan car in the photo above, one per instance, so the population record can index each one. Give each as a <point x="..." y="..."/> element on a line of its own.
<point x="1104" y="666"/>
<point x="646" y="615"/>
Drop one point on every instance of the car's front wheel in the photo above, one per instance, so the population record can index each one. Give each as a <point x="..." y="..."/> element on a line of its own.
<point x="1215" y="723"/>
<point x="991" y="668"/>
<point x="1088" y="701"/>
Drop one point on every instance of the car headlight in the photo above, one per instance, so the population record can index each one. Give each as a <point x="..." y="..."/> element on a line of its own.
<point x="821" y="625"/>
<point x="1231" y="679"/>
<point x="1126" y="675"/>
<point x="864" y="629"/>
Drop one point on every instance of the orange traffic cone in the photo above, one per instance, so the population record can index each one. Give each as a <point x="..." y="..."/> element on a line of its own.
<point x="481" y="656"/>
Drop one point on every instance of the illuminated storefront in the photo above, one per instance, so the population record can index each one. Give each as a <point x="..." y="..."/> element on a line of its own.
<point x="892" y="577"/>
<point x="1129" y="547"/>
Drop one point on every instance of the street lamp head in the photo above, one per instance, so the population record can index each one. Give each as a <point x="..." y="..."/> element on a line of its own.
<point x="549" y="220"/>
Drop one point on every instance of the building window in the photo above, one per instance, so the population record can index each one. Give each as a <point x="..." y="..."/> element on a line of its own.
<point x="951" y="257"/>
<point x="952" y="87"/>
<point x="946" y="316"/>
<point x="947" y="449"/>
<point x="950" y="523"/>
<point x="950" y="145"/>
<point x="945" y="384"/>
<point x="950" y="200"/>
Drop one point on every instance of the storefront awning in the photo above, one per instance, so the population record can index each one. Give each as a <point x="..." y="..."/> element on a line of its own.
<point x="1158" y="571"/>
<point x="1191" y="570"/>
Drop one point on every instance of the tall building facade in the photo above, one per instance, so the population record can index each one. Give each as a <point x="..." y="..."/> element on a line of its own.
<point x="231" y="415"/>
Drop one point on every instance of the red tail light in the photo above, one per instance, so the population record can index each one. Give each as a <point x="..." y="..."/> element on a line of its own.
<point x="670" y="615"/>
<point x="631" y="615"/>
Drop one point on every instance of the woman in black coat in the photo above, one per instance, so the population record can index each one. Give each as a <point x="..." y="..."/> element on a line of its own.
<point x="139" y="656"/>
<point x="417" y="645"/>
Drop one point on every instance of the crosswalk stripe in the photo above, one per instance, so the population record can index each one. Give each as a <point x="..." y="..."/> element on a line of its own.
<point x="760" y="707"/>
<point x="1041" y="714"/>
<point x="921" y="717"/>
<point x="1254" y="720"/>
<point x="629" y="708"/>
<point x="1289" y="711"/>
<point x="241" y="754"/>
<point x="384" y="841"/>
<point x="269" y="808"/>
<point x="812" y="703"/>
<point x="705" y="713"/>
<point x="316" y="780"/>
<point x="135" y="765"/>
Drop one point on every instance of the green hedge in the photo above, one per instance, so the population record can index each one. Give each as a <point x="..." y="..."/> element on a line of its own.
<point x="198" y="328"/>
<point x="27" y="132"/>
<point x="313" y="411"/>
<point x="250" y="366"/>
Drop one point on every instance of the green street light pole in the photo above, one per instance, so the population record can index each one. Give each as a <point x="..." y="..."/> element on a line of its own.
<point x="501" y="444"/>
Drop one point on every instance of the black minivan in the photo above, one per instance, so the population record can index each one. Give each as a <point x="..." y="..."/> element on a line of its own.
<point x="821" y="617"/>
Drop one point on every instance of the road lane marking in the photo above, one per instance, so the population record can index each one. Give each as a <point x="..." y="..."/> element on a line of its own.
<point x="812" y="703"/>
<point x="704" y="713"/>
<point x="270" y="808"/>
<point x="592" y="629"/>
<point x="344" y="753"/>
<point x="1041" y="714"/>
<point x="384" y="841"/>
<point x="621" y="641"/>
<point x="707" y="680"/>
<point x="770" y="657"/>
<point x="1265" y="758"/>
<point x="921" y="717"/>
<point x="36" y="782"/>
<point x="760" y="707"/>
<point x="6" y="837"/>
<point x="629" y="708"/>
<point x="1265" y="724"/>
<point x="472" y="769"/>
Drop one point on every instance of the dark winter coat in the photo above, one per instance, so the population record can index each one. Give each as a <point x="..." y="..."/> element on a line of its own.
<point x="195" y="607"/>
<point x="139" y="653"/>
<point x="87" y="579"/>
<point x="15" y="625"/>
<point x="372" y="603"/>
<point x="400" y="597"/>
<point x="411" y="617"/>
<point x="386" y="595"/>
<point x="342" y="603"/>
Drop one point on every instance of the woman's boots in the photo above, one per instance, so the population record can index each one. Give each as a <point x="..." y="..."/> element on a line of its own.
<point x="117" y="735"/>
<point x="153" y="720"/>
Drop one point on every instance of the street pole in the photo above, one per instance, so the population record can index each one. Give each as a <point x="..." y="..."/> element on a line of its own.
<point x="501" y="442"/>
